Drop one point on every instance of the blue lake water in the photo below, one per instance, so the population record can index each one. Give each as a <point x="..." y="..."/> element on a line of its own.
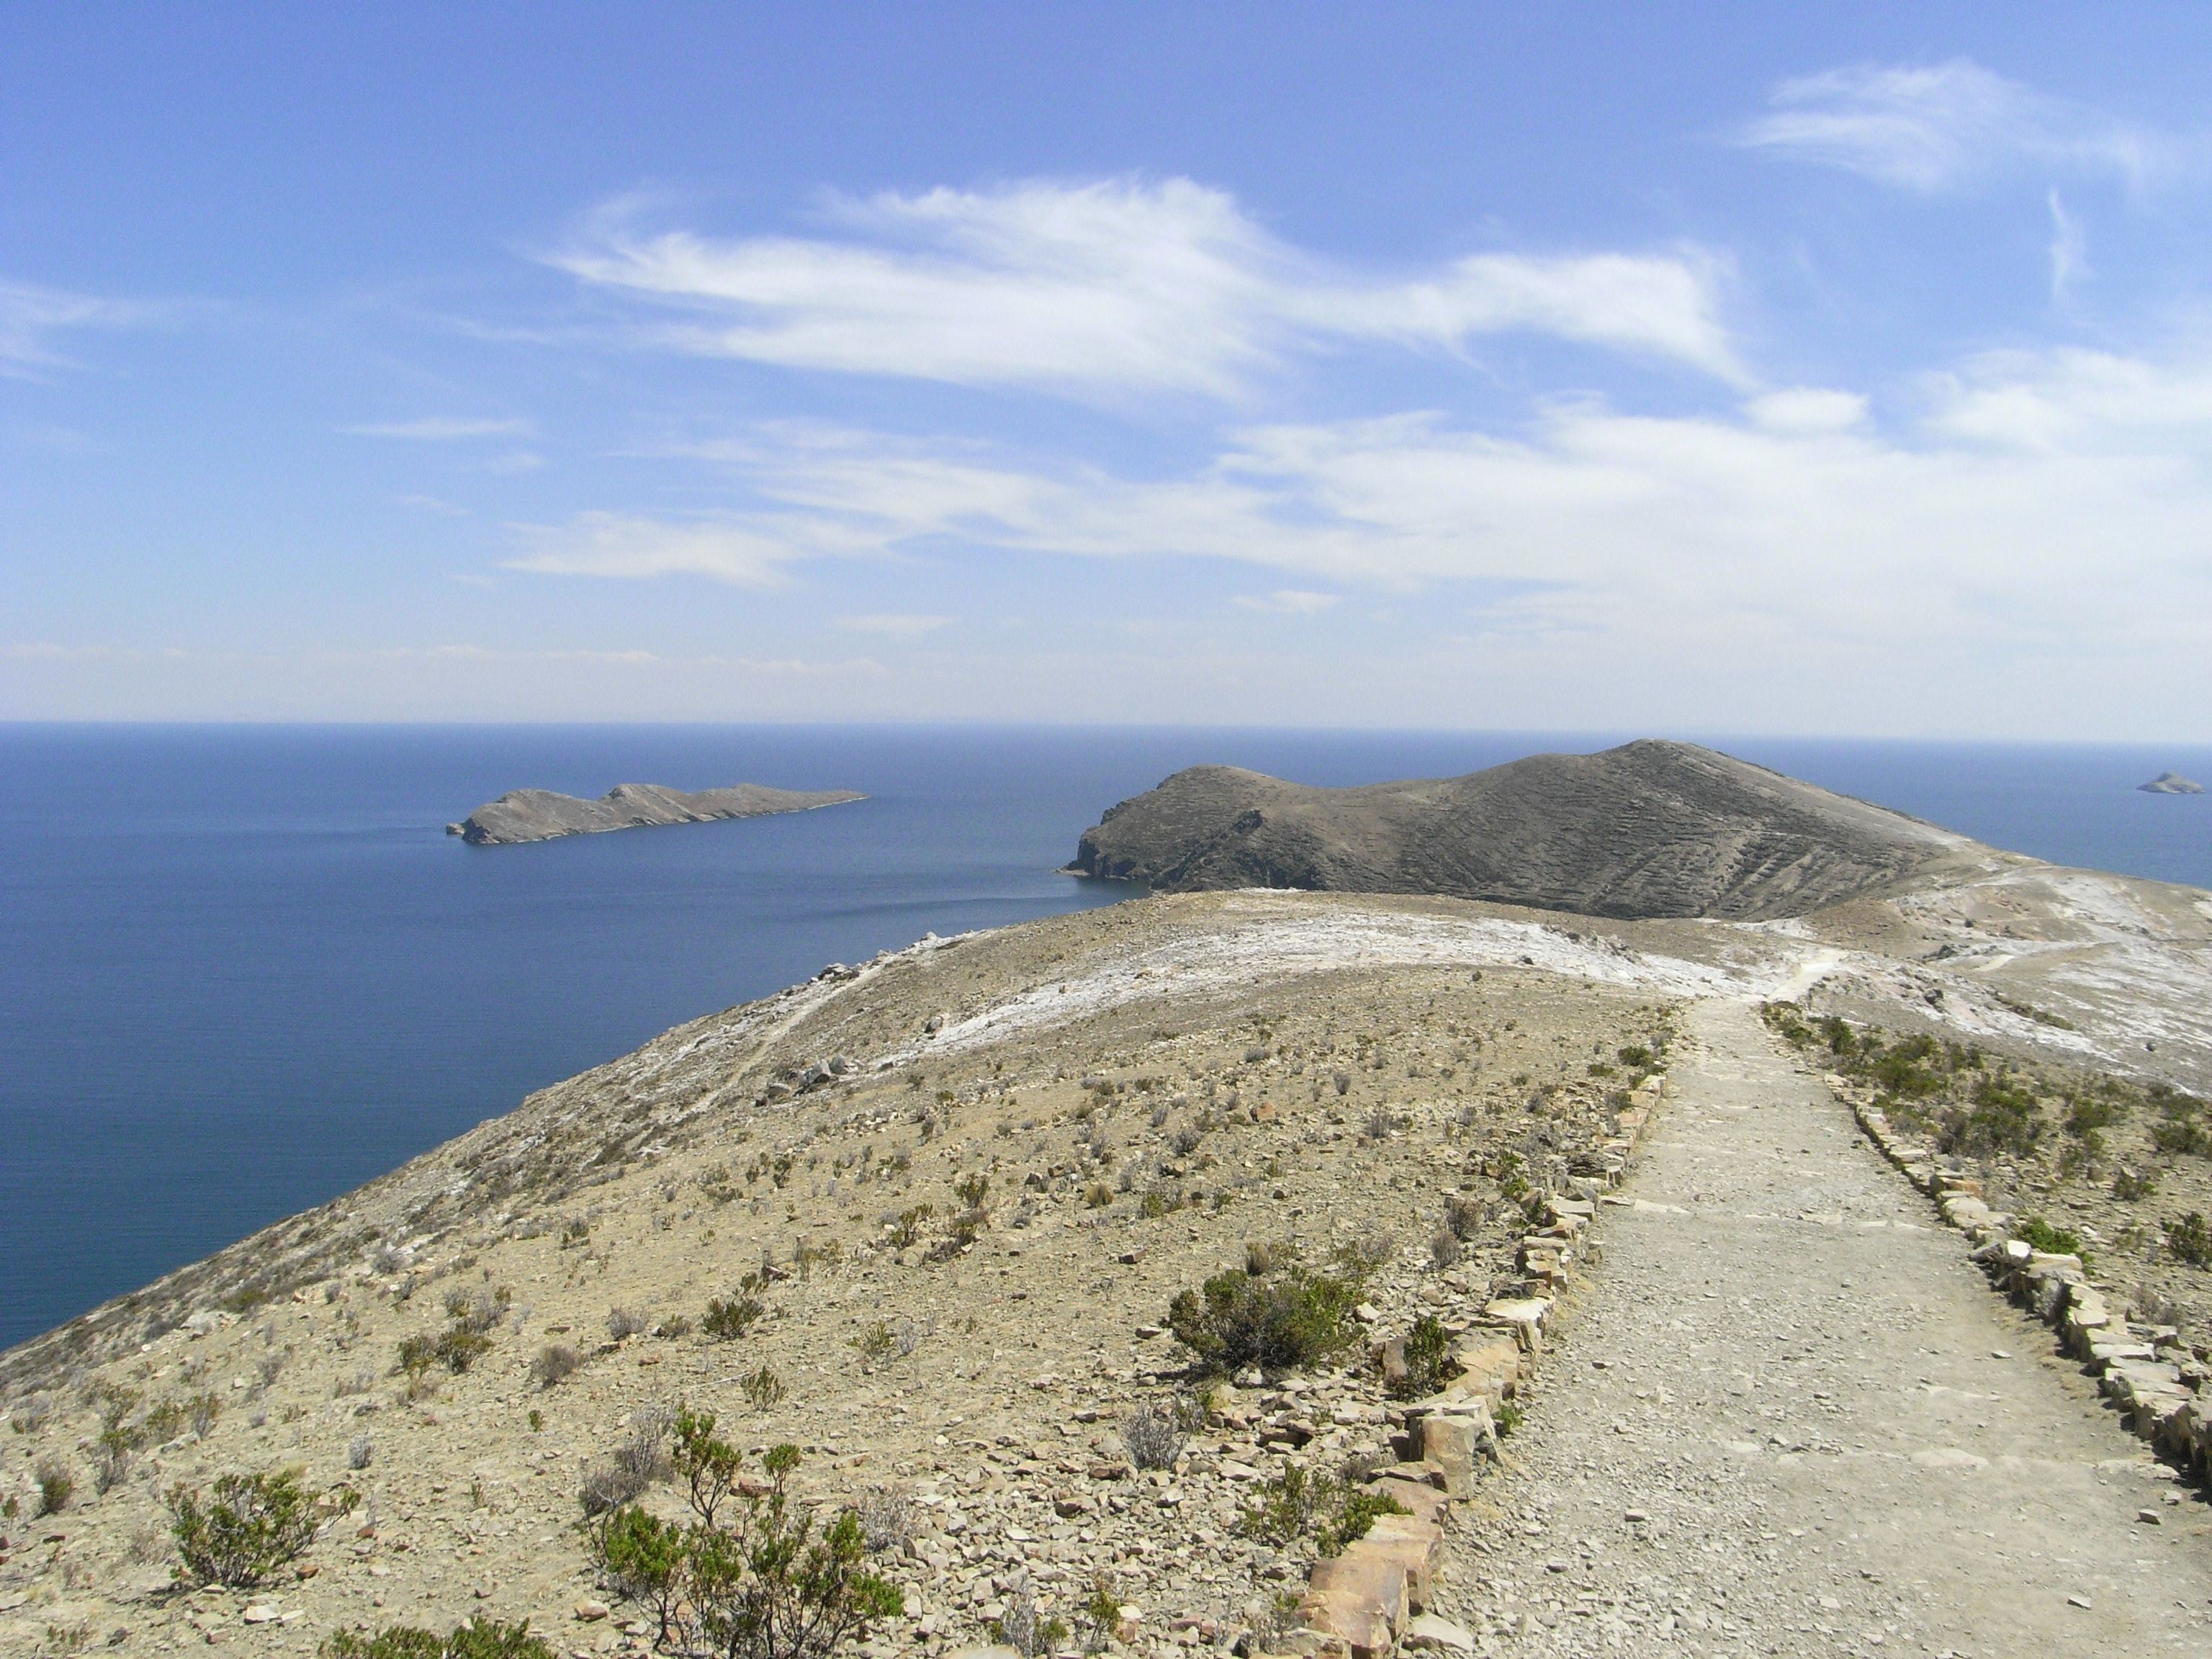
<point x="242" y="969"/>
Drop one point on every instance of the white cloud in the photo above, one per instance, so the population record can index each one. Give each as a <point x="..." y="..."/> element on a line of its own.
<point x="1808" y="408"/>
<point x="443" y="429"/>
<point x="30" y="316"/>
<point x="895" y="625"/>
<point x="520" y="460"/>
<point x="1290" y="601"/>
<point x="1115" y="288"/>
<point x="1936" y="127"/>
<point x="2046" y="507"/>
<point x="609" y="544"/>
<point x="2069" y="249"/>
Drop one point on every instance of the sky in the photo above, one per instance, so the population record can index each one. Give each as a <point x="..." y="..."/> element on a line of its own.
<point x="1837" y="370"/>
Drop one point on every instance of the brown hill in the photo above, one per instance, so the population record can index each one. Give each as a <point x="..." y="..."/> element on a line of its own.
<point x="1650" y="828"/>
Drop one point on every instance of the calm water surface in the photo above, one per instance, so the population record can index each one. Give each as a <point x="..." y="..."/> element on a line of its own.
<point x="242" y="969"/>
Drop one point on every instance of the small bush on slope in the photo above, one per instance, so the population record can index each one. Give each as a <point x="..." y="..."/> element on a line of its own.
<point x="251" y="1525"/>
<point x="1275" y="1321"/>
<point x="487" y="1638"/>
<point x="767" y="1585"/>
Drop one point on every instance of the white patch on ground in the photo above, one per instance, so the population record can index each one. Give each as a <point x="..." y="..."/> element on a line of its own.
<point x="1273" y="947"/>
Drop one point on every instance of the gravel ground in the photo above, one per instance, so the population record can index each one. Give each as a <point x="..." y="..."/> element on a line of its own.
<point x="1789" y="1418"/>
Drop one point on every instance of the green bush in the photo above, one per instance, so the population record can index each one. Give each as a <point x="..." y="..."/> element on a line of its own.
<point x="251" y="1525"/>
<point x="2039" y="1235"/>
<point x="486" y="1638"/>
<point x="1351" y="1518"/>
<point x="727" y="1321"/>
<point x="1904" y="1070"/>
<point x="767" y="1585"/>
<point x="2129" y="1185"/>
<point x="1298" y="1502"/>
<point x="2002" y="1118"/>
<point x="1428" y="1356"/>
<point x="1788" y="1021"/>
<point x="2178" y="1130"/>
<point x="55" y="1486"/>
<point x="1276" y="1322"/>
<point x="2191" y="1239"/>
<point x="457" y="1348"/>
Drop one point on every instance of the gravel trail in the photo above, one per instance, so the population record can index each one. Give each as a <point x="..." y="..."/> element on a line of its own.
<point x="1789" y="1417"/>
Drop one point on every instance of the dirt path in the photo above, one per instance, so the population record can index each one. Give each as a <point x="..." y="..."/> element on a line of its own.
<point x="1791" y="1419"/>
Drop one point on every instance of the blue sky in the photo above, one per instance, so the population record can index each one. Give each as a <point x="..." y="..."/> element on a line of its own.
<point x="1726" y="368"/>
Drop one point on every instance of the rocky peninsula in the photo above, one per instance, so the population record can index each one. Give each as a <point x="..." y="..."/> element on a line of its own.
<point x="525" y="815"/>
<point x="1650" y="828"/>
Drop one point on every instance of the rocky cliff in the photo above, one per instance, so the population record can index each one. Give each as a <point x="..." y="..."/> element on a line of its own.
<point x="523" y="815"/>
<point x="1650" y="828"/>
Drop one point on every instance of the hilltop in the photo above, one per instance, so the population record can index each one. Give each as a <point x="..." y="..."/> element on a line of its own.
<point x="1649" y="829"/>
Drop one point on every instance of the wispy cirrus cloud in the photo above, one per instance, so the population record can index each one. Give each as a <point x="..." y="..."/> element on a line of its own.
<point x="443" y="429"/>
<point x="1936" y="127"/>
<point x="1115" y="288"/>
<point x="896" y="625"/>
<point x="31" y="317"/>
<point x="2045" y="504"/>
<point x="747" y="551"/>
<point x="1290" y="601"/>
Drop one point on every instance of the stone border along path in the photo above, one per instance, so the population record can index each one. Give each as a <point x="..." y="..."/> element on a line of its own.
<point x="2144" y="1370"/>
<point x="1791" y="1419"/>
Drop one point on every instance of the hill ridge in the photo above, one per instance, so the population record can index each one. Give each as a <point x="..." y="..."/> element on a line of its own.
<point x="1652" y="827"/>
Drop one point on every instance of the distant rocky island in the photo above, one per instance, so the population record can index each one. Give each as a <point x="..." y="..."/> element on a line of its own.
<point x="1649" y="829"/>
<point x="522" y="814"/>
<point x="2170" y="783"/>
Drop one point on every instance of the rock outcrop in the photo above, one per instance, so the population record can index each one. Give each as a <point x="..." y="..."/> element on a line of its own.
<point x="523" y="815"/>
<point x="2170" y="783"/>
<point x="1650" y="828"/>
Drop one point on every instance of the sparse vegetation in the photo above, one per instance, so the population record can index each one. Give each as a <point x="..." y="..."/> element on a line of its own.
<point x="769" y="1584"/>
<point x="763" y="1389"/>
<point x="1273" y="1321"/>
<point x="55" y="1486"/>
<point x="1154" y="1433"/>
<point x="1022" y="1626"/>
<point x="728" y="1318"/>
<point x="481" y="1639"/>
<point x="245" y="1529"/>
<point x="2039" y="1235"/>
<point x="1299" y="1503"/>
<point x="888" y="1519"/>
<point x="2190" y="1238"/>
<point x="555" y="1363"/>
<point x="639" y="1459"/>
<point x="876" y="1344"/>
<point x="1427" y="1352"/>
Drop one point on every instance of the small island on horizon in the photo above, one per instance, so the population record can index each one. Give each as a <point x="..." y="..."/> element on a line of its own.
<point x="2170" y="783"/>
<point x="526" y="815"/>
